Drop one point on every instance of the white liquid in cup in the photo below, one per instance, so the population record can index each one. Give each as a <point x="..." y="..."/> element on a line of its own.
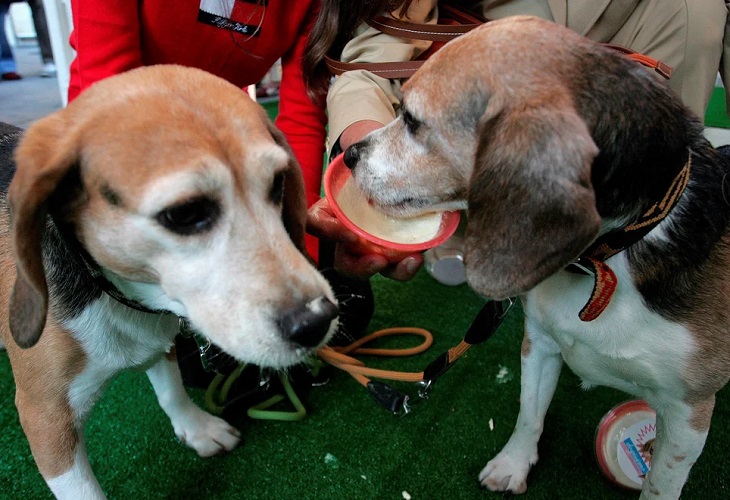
<point x="405" y="231"/>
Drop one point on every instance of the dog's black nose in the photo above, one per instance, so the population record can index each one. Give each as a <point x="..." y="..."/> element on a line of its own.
<point x="352" y="155"/>
<point x="308" y="325"/>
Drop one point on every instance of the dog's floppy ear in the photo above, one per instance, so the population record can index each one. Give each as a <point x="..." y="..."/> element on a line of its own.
<point x="44" y="155"/>
<point x="294" y="200"/>
<point x="531" y="202"/>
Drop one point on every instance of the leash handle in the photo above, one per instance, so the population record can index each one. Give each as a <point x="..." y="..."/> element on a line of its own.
<point x="452" y="23"/>
<point x="487" y="321"/>
<point x="385" y="395"/>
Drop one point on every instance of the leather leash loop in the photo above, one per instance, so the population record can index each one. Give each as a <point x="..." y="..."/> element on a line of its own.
<point x="452" y="24"/>
<point x="486" y="322"/>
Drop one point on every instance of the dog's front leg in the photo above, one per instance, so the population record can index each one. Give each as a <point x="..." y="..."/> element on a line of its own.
<point x="205" y="433"/>
<point x="55" y="435"/>
<point x="680" y="436"/>
<point x="541" y="365"/>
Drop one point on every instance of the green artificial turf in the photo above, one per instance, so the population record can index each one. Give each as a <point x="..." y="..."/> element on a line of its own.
<point x="716" y="115"/>
<point x="271" y="106"/>
<point x="347" y="446"/>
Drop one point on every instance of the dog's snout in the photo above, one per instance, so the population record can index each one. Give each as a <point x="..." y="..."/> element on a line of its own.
<point x="352" y="155"/>
<point x="308" y="325"/>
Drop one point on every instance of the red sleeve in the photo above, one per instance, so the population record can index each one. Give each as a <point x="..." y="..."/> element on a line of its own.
<point x="106" y="37"/>
<point x="300" y="119"/>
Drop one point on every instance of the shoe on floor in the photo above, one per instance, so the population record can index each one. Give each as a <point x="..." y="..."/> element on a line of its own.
<point x="10" y="75"/>
<point x="49" y="70"/>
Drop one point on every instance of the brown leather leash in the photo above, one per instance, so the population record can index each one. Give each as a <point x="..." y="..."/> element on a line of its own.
<point x="453" y="22"/>
<point x="487" y="322"/>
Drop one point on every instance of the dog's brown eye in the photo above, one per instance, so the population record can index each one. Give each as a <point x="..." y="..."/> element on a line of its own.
<point x="277" y="188"/>
<point x="190" y="217"/>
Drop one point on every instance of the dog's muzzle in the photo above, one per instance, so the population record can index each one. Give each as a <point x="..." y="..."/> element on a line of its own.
<point x="308" y="325"/>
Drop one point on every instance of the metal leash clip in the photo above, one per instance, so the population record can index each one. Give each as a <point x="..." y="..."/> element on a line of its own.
<point x="424" y="388"/>
<point x="405" y="407"/>
<point x="184" y="327"/>
<point x="393" y="400"/>
<point x="211" y="356"/>
<point x="390" y="398"/>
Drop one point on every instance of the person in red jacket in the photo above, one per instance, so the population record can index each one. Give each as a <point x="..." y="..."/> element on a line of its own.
<point x="238" y="40"/>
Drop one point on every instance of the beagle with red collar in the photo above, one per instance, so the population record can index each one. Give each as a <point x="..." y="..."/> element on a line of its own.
<point x="591" y="194"/>
<point x="159" y="194"/>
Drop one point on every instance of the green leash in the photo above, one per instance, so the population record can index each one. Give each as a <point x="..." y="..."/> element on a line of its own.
<point x="261" y="411"/>
<point x="217" y="395"/>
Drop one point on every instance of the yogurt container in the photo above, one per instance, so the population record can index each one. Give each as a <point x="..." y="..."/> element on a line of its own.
<point x="625" y="443"/>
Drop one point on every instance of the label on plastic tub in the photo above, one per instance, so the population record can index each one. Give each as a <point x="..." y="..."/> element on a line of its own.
<point x="635" y="450"/>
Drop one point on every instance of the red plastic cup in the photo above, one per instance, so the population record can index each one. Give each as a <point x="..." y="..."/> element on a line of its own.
<point x="335" y="177"/>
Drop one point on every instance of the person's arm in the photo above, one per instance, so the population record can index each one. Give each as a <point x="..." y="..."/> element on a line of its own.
<point x="359" y="102"/>
<point x="302" y="120"/>
<point x="106" y="37"/>
<point x="361" y="96"/>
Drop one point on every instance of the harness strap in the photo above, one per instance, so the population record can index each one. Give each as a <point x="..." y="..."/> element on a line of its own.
<point x="614" y="242"/>
<point x="608" y="245"/>
<point x="660" y="67"/>
<point x="453" y="22"/>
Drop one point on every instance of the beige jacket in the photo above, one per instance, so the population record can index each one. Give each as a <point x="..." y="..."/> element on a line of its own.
<point x="689" y="35"/>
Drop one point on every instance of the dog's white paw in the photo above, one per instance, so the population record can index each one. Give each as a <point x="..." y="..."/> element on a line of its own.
<point x="508" y="471"/>
<point x="206" y="433"/>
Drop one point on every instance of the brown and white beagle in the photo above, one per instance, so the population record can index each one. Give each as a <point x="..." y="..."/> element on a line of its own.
<point x="564" y="153"/>
<point x="173" y="186"/>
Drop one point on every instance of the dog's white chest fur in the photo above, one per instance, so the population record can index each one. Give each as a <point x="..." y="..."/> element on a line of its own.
<point x="627" y="347"/>
<point x="115" y="337"/>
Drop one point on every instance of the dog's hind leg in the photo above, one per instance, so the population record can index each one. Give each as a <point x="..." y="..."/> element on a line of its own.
<point x="680" y="436"/>
<point x="205" y="433"/>
<point x="55" y="436"/>
<point x="541" y="365"/>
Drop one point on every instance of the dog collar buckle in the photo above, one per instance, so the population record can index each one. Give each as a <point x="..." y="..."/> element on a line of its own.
<point x="424" y="388"/>
<point x="184" y="327"/>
